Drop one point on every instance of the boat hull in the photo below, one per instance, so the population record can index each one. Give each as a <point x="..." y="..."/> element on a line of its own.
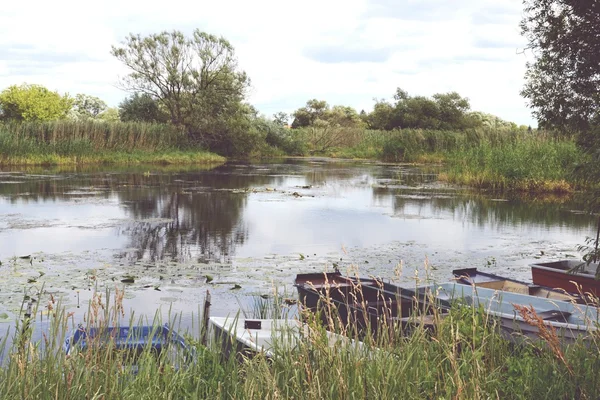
<point x="472" y="276"/>
<point x="357" y="306"/>
<point x="556" y="275"/>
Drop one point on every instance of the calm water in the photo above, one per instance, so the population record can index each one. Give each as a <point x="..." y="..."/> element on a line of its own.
<point x="256" y="226"/>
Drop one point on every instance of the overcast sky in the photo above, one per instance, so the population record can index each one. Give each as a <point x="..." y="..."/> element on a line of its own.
<point x="342" y="51"/>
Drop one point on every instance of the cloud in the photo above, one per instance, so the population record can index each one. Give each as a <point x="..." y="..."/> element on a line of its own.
<point x="333" y="55"/>
<point x="343" y="51"/>
<point x="415" y="10"/>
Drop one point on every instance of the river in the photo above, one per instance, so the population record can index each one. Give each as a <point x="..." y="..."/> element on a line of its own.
<point x="241" y="230"/>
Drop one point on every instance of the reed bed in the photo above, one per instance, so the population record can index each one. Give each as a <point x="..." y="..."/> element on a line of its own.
<point x="465" y="357"/>
<point x="71" y="142"/>
<point x="494" y="159"/>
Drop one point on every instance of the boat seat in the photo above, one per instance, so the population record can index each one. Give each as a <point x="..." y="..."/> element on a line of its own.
<point x="554" y="315"/>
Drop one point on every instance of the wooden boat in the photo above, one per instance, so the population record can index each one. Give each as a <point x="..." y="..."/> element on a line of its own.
<point x="472" y="276"/>
<point x="570" y="321"/>
<point x="360" y="303"/>
<point x="249" y="337"/>
<point x="571" y="275"/>
<point x="131" y="341"/>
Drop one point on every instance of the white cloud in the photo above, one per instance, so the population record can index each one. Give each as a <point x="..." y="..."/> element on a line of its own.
<point x="343" y="51"/>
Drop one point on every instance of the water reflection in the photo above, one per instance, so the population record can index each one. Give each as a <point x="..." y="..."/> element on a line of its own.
<point x="244" y="210"/>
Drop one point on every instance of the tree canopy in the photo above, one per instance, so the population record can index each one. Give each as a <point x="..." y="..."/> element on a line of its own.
<point x="196" y="80"/>
<point x="33" y="103"/>
<point x="318" y="112"/>
<point x="87" y="107"/>
<point x="563" y="81"/>
<point x="142" y="108"/>
<point x="445" y="111"/>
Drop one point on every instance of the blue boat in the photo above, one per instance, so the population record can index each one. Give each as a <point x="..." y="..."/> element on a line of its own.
<point x="132" y="340"/>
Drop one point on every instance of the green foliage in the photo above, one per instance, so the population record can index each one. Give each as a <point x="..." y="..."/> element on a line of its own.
<point x="33" y="103"/>
<point x="562" y="84"/>
<point x="142" y="108"/>
<point x="87" y="107"/>
<point x="445" y="111"/>
<point x="324" y="128"/>
<point x="281" y="137"/>
<point x="196" y="80"/>
<point x="100" y="135"/>
<point x="531" y="163"/>
<point x="281" y="118"/>
<point x="465" y="357"/>
<point x="111" y="114"/>
<point x="307" y="115"/>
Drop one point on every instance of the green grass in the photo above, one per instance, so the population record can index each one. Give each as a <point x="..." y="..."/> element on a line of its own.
<point x="75" y="143"/>
<point x="532" y="164"/>
<point x="494" y="159"/>
<point x="466" y="357"/>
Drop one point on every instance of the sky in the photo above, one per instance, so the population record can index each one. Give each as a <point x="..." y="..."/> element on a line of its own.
<point x="347" y="52"/>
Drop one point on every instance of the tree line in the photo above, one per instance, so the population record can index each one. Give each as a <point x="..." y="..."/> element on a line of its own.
<point x="195" y="83"/>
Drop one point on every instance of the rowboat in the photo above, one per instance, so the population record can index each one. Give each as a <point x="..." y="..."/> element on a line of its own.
<point x="570" y="275"/>
<point x="362" y="303"/>
<point x="472" y="276"/>
<point x="249" y="337"/>
<point x="131" y="342"/>
<point x="570" y="321"/>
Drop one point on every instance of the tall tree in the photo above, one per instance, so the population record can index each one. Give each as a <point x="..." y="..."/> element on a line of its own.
<point x="195" y="79"/>
<point x="563" y="81"/>
<point x="142" y="108"/>
<point x="86" y="107"/>
<point x="307" y="115"/>
<point x="33" y="103"/>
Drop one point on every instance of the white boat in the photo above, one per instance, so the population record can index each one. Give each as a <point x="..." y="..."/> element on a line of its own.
<point x="571" y="321"/>
<point x="268" y="336"/>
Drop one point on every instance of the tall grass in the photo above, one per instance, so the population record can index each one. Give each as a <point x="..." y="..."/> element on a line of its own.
<point x="465" y="357"/>
<point x="71" y="142"/>
<point x="496" y="159"/>
<point x="68" y="136"/>
<point x="534" y="163"/>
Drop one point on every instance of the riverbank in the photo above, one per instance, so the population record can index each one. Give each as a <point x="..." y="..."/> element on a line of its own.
<point x="496" y="160"/>
<point x="81" y="143"/>
<point x="500" y="159"/>
<point x="465" y="357"/>
<point x="136" y="157"/>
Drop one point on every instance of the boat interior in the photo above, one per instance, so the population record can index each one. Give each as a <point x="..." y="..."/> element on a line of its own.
<point x="532" y="290"/>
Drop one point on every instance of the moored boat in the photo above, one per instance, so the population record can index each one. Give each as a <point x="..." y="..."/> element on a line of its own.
<point x="249" y="337"/>
<point x="131" y="342"/>
<point x="570" y="321"/>
<point x="472" y="276"/>
<point x="362" y="303"/>
<point x="570" y="275"/>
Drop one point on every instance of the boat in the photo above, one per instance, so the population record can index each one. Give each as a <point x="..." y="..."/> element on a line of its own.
<point x="571" y="275"/>
<point x="249" y="337"/>
<point x="472" y="276"/>
<point x="132" y="342"/>
<point x="570" y="321"/>
<point x="362" y="304"/>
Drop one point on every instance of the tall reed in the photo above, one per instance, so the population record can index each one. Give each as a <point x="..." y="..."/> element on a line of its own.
<point x="465" y="357"/>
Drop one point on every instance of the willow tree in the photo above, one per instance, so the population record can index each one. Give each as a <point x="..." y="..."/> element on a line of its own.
<point x="195" y="79"/>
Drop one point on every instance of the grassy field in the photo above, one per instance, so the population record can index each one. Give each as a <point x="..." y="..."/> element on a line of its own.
<point x="466" y="357"/>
